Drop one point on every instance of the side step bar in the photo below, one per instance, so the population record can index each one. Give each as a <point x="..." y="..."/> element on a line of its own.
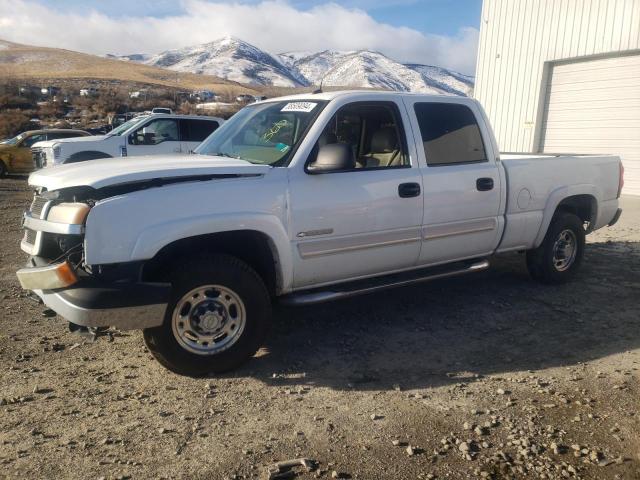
<point x="320" y="296"/>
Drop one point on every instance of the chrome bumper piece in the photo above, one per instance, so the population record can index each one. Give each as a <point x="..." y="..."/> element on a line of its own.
<point x="40" y="225"/>
<point x="123" y="318"/>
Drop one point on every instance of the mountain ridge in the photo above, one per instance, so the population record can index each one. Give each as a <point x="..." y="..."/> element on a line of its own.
<point x="234" y="59"/>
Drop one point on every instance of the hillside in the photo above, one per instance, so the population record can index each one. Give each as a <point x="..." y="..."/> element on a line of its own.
<point x="375" y="70"/>
<point x="27" y="62"/>
<point x="237" y="60"/>
<point x="227" y="58"/>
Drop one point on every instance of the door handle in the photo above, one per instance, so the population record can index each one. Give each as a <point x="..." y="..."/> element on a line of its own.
<point x="484" y="184"/>
<point x="408" y="190"/>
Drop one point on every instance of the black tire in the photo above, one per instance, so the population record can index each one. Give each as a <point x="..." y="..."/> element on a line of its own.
<point x="225" y="271"/>
<point x="542" y="264"/>
<point x="3" y="169"/>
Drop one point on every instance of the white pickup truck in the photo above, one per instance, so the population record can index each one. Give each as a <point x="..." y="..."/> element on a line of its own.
<point x="306" y="198"/>
<point x="143" y="135"/>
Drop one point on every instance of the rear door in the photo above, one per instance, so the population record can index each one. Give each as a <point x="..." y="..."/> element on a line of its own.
<point x="156" y="136"/>
<point x="194" y="131"/>
<point x="462" y="185"/>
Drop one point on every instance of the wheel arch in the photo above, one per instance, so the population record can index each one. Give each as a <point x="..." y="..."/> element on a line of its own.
<point x="581" y="200"/>
<point x="253" y="247"/>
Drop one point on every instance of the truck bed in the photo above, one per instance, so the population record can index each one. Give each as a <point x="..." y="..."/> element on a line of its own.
<point x="536" y="183"/>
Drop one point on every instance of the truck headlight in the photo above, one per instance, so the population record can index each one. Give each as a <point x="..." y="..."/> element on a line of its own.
<point x="69" y="213"/>
<point x="57" y="150"/>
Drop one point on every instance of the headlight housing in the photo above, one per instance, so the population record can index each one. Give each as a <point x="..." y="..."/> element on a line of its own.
<point x="69" y="213"/>
<point x="57" y="151"/>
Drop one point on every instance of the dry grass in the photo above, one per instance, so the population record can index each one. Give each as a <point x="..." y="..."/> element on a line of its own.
<point x="24" y="62"/>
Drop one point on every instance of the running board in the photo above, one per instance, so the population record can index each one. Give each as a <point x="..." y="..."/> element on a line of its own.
<point x="374" y="285"/>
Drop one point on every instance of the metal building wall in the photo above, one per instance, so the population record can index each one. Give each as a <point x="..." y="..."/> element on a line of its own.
<point x="518" y="41"/>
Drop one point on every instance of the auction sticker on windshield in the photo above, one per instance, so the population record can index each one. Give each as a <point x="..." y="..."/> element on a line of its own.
<point x="299" y="107"/>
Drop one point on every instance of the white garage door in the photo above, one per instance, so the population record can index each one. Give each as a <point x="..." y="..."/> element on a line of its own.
<point x="593" y="106"/>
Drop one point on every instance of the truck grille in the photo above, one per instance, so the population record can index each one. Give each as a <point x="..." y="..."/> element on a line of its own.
<point x="30" y="236"/>
<point x="37" y="206"/>
<point x="38" y="157"/>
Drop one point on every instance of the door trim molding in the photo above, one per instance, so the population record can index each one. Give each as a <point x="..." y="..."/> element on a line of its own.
<point x="433" y="232"/>
<point x="332" y="246"/>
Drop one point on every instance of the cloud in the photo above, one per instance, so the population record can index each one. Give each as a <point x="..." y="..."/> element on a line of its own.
<point x="273" y="25"/>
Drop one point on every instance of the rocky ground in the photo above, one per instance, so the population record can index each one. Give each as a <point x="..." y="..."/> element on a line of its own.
<point x="487" y="376"/>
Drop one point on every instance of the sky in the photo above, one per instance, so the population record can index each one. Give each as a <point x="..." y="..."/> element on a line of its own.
<point x="435" y="32"/>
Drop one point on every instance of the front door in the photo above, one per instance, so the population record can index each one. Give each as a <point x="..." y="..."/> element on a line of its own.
<point x="22" y="161"/>
<point x="157" y="136"/>
<point x="364" y="221"/>
<point x="462" y="184"/>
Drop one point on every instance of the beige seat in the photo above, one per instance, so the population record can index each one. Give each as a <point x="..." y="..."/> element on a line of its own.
<point x="384" y="150"/>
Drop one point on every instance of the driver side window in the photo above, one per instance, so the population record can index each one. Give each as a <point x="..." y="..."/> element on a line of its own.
<point x="28" y="142"/>
<point x="156" y="132"/>
<point x="374" y="132"/>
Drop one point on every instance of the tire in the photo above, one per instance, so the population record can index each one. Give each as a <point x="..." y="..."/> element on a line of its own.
<point x="3" y="169"/>
<point x="218" y="294"/>
<point x="555" y="261"/>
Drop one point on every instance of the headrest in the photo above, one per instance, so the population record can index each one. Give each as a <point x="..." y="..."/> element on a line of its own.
<point x="384" y="140"/>
<point x="327" y="138"/>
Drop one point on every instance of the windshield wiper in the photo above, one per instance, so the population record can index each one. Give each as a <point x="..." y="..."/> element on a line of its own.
<point x="223" y="154"/>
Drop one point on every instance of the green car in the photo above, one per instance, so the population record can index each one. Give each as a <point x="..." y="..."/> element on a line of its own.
<point x="15" y="153"/>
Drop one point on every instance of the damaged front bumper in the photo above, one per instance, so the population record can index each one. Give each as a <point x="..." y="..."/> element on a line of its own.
<point x="89" y="302"/>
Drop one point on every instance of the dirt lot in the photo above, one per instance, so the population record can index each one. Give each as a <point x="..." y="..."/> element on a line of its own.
<point x="488" y="376"/>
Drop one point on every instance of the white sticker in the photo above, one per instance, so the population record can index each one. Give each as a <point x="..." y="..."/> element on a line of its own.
<point x="299" y="107"/>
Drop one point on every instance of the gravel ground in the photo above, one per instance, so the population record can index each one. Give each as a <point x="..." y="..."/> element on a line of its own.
<point x="486" y="376"/>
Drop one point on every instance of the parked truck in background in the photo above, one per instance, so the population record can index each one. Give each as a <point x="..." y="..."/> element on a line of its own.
<point x="152" y="134"/>
<point x="304" y="199"/>
<point x="15" y="153"/>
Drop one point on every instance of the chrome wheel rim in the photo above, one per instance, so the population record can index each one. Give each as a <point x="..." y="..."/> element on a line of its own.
<point x="565" y="250"/>
<point x="208" y="319"/>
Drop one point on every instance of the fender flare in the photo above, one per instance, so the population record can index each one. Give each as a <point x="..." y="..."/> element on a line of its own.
<point x="557" y="196"/>
<point x="151" y="240"/>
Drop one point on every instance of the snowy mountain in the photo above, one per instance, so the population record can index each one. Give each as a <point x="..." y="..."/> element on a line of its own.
<point x="228" y="58"/>
<point x="236" y="60"/>
<point x="375" y="70"/>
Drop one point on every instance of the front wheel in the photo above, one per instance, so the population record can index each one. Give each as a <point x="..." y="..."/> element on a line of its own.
<point x="218" y="317"/>
<point x="559" y="256"/>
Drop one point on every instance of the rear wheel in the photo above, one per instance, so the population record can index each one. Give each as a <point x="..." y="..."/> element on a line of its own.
<point x="559" y="256"/>
<point x="218" y="317"/>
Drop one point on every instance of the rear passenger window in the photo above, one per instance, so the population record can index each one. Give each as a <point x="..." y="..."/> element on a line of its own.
<point x="450" y="134"/>
<point x="196" y="130"/>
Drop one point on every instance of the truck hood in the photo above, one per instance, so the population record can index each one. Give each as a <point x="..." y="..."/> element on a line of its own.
<point x="118" y="171"/>
<point x="51" y="143"/>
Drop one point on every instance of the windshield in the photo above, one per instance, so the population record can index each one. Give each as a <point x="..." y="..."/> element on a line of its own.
<point x="266" y="133"/>
<point x="126" y="126"/>
<point x="14" y="140"/>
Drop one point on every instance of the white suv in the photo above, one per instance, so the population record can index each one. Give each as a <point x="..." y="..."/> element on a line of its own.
<point x="144" y="135"/>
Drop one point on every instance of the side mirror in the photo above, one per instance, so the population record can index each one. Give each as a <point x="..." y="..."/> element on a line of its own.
<point x="333" y="157"/>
